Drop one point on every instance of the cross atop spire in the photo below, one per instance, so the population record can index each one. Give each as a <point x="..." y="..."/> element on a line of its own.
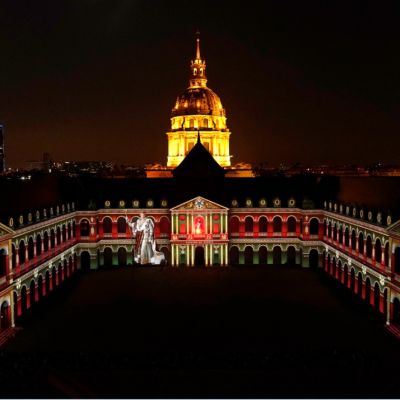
<point x="198" y="57"/>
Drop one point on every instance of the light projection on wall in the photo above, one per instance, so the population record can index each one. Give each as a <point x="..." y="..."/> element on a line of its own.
<point x="198" y="225"/>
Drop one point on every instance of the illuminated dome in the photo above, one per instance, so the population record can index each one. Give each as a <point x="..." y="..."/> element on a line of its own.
<point x="198" y="108"/>
<point x="198" y="100"/>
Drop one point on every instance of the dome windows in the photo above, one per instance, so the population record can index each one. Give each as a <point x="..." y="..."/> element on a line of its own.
<point x="195" y="71"/>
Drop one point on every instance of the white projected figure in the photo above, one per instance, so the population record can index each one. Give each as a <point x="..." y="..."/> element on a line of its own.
<point x="145" y="245"/>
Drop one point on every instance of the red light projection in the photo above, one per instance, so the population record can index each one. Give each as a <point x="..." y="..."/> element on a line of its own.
<point x="198" y="228"/>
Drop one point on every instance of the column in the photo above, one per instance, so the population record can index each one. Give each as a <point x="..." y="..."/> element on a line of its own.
<point x="206" y="221"/>
<point x="34" y="249"/>
<point x="304" y="261"/>
<point x="256" y="258"/>
<point x="226" y="254"/>
<point x="187" y="255"/>
<point x="192" y="253"/>
<point x="206" y="254"/>
<point x="173" y="255"/>
<point x="57" y="281"/>
<point x="28" y="299"/>
<point x="211" y="254"/>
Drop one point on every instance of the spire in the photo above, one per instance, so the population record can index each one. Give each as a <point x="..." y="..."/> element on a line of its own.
<point x="198" y="57"/>
<point x="198" y="67"/>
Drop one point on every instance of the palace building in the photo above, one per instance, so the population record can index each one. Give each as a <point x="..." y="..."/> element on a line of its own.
<point x="53" y="227"/>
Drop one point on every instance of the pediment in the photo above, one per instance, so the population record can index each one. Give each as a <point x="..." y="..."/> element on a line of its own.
<point x="4" y="230"/>
<point x="199" y="203"/>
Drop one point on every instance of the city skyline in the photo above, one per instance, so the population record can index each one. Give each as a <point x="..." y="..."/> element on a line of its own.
<point x="314" y="84"/>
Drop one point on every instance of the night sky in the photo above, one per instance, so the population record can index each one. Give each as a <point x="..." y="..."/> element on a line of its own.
<point x="302" y="81"/>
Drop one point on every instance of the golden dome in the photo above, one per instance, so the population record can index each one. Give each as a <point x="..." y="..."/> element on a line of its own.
<point x="198" y="100"/>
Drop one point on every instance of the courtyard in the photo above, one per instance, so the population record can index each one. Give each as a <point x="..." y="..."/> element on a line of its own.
<point x="201" y="332"/>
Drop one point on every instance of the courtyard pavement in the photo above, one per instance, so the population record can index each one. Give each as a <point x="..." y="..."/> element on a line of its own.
<point x="196" y="332"/>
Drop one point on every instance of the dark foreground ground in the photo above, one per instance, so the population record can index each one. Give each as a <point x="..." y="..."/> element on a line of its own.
<point x="234" y="332"/>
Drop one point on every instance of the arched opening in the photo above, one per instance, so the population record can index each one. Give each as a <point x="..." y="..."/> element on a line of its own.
<point x="340" y="235"/>
<point x="340" y="271"/>
<point x="59" y="271"/>
<point x="121" y="225"/>
<point x="107" y="225"/>
<point x="277" y="224"/>
<point x="291" y="224"/>
<point x="45" y="241"/>
<point x="69" y="231"/>
<point x="368" y="290"/>
<point x="314" y="226"/>
<point x="263" y="255"/>
<point x="85" y="261"/>
<point x="352" y="280"/>
<point x="52" y="239"/>
<point x="378" y="251"/>
<point x="164" y="227"/>
<point x="122" y="257"/>
<point x="234" y="225"/>
<point x="32" y="289"/>
<point x="13" y="256"/>
<point x="334" y="232"/>
<point x="329" y="265"/>
<point x="359" y="284"/>
<point x="234" y="255"/>
<point x="84" y="228"/>
<point x="313" y="258"/>
<point x="54" y="277"/>
<point x="277" y="255"/>
<point x="396" y="311"/>
<point x="47" y="282"/>
<point x="346" y="237"/>
<point x="40" y="287"/>
<point x="387" y="254"/>
<point x="291" y="255"/>
<point x="5" y="321"/>
<point x="3" y="257"/>
<point x="73" y="229"/>
<point x="64" y="233"/>
<point x="361" y="243"/>
<point x="65" y="269"/>
<point x="353" y="240"/>
<point x="70" y="269"/>
<point x="345" y="276"/>
<point x="38" y="245"/>
<point x="24" y="303"/>
<point x="15" y="305"/>
<point x="248" y="225"/>
<point x="368" y="247"/>
<point x="397" y="260"/>
<point x="108" y="257"/>
<point x="329" y="230"/>
<point x="31" y="251"/>
<point x="248" y="255"/>
<point x="334" y="267"/>
<point x="199" y="260"/>
<point x="377" y="296"/>
<point x="58" y="236"/>
<point x="21" y="252"/>
<point x="263" y="225"/>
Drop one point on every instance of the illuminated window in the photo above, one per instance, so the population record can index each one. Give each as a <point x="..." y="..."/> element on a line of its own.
<point x="191" y="123"/>
<point x="194" y="71"/>
<point x="198" y="225"/>
<point x="205" y="123"/>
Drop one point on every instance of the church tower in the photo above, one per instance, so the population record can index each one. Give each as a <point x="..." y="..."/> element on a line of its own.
<point x="198" y="110"/>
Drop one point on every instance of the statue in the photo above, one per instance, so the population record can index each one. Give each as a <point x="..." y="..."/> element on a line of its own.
<point x="144" y="243"/>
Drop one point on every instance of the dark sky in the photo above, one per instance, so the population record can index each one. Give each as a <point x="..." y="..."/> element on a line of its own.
<point x="309" y="81"/>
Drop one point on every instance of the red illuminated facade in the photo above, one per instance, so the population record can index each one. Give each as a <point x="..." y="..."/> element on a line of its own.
<point x="361" y="253"/>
